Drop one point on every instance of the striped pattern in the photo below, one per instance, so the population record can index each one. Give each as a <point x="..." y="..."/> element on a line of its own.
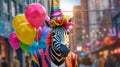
<point x="58" y="37"/>
<point x="57" y="40"/>
<point x="55" y="9"/>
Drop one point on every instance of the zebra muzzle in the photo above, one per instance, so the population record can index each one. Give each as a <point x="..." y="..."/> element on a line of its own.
<point x="64" y="50"/>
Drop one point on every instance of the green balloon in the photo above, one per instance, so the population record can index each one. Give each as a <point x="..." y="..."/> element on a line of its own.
<point x="23" y="46"/>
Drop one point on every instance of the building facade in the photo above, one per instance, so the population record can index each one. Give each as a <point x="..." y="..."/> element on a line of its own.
<point x="76" y="29"/>
<point x="115" y="7"/>
<point x="81" y="29"/>
<point x="99" y="20"/>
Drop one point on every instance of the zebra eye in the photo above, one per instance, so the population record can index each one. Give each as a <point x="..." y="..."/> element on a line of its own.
<point x="53" y="33"/>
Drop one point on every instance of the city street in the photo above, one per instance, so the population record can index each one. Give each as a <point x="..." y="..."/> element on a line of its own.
<point x="59" y="33"/>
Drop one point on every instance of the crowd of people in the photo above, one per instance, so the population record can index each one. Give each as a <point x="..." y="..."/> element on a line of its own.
<point x="15" y="62"/>
<point x="96" y="60"/>
<point x="99" y="60"/>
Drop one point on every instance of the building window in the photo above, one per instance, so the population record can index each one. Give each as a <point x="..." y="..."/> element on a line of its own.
<point x="20" y="8"/>
<point x="38" y="0"/>
<point x="13" y="8"/>
<point x="28" y="1"/>
<point x="32" y="1"/>
<point x="118" y="23"/>
<point x="5" y="5"/>
<point x="118" y="19"/>
<point x="0" y="12"/>
<point x="5" y="9"/>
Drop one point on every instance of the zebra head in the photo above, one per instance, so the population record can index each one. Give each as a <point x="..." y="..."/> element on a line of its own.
<point x="60" y="40"/>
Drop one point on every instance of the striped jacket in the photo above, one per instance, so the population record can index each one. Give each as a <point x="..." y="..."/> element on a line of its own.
<point x="41" y="58"/>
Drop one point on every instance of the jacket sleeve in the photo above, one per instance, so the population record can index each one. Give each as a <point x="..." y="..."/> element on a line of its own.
<point x="75" y="61"/>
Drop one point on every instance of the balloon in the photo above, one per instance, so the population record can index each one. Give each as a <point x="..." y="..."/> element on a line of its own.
<point x="17" y="20"/>
<point x="41" y="43"/>
<point x="38" y="34"/>
<point x="45" y="31"/>
<point x="25" y="33"/>
<point x="23" y="46"/>
<point x="30" y="49"/>
<point x="13" y="40"/>
<point x="44" y="34"/>
<point x="33" y="47"/>
<point x="41" y="24"/>
<point x="35" y="13"/>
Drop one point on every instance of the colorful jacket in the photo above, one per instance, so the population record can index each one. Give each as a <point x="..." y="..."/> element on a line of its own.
<point x="41" y="58"/>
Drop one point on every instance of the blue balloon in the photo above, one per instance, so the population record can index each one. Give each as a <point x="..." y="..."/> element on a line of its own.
<point x="41" y="42"/>
<point x="33" y="47"/>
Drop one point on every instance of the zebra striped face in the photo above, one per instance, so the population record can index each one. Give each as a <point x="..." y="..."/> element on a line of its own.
<point x="60" y="40"/>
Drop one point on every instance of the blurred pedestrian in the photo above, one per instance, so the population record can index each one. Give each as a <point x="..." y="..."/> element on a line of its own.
<point x="101" y="61"/>
<point x="0" y="60"/>
<point x="86" y="62"/>
<point x="95" y="60"/>
<point x="109" y="62"/>
<point x="28" y="61"/>
<point x="15" y="62"/>
<point x="118" y="61"/>
<point x="4" y="63"/>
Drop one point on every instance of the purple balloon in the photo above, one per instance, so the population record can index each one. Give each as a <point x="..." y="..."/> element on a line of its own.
<point x="45" y="31"/>
<point x="13" y="40"/>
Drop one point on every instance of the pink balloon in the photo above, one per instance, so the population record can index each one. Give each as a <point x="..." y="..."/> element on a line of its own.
<point x="41" y="25"/>
<point x="35" y="13"/>
<point x="13" y="40"/>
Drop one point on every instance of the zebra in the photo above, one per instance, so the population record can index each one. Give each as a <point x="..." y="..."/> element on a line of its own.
<point x="58" y="49"/>
<point x="58" y="53"/>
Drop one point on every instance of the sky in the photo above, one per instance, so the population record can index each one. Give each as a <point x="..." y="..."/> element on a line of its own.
<point x="67" y="5"/>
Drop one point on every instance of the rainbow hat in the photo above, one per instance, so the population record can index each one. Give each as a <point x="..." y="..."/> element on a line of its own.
<point x="55" y="10"/>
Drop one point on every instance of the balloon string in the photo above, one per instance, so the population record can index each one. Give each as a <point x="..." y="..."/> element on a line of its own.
<point x="37" y="34"/>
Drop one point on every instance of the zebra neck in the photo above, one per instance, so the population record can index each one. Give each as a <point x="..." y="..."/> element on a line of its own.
<point x="56" y="57"/>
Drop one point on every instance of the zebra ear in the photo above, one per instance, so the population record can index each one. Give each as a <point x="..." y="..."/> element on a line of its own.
<point x="47" y="23"/>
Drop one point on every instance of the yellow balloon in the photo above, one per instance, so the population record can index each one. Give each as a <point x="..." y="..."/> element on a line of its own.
<point x="18" y="19"/>
<point x="26" y="33"/>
